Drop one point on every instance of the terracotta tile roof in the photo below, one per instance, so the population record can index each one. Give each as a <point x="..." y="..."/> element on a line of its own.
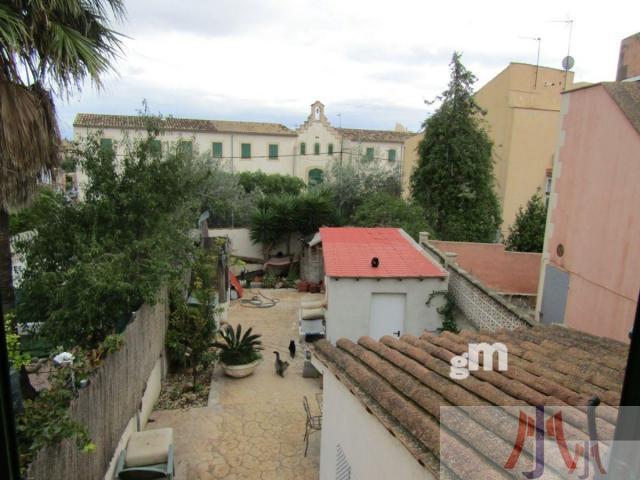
<point x="391" y="136"/>
<point x="627" y="96"/>
<point x="182" y="124"/>
<point x="348" y="252"/>
<point x="500" y="270"/>
<point x="404" y="382"/>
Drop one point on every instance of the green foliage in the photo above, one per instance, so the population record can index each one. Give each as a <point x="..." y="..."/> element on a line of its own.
<point x="28" y="218"/>
<point x="446" y="311"/>
<point x="270" y="184"/>
<point x="527" y="232"/>
<point x="454" y="180"/>
<point x="239" y="349"/>
<point x="94" y="262"/>
<point x="46" y="420"/>
<point x="349" y="182"/>
<point x="269" y="280"/>
<point x="192" y="327"/>
<point x="222" y="195"/>
<point x="17" y="357"/>
<point x="277" y="218"/>
<point x="384" y="210"/>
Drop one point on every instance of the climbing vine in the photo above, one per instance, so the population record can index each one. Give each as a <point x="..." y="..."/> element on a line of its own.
<point x="446" y="311"/>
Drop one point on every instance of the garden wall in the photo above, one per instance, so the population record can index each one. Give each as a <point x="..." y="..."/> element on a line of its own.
<point x="485" y="309"/>
<point x="241" y="245"/>
<point x="109" y="405"/>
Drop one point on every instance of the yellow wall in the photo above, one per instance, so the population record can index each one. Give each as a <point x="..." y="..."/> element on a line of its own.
<point x="522" y="121"/>
<point x="409" y="162"/>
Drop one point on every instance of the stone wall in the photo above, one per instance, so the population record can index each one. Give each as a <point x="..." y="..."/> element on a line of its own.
<point x="113" y="397"/>
<point x="485" y="309"/>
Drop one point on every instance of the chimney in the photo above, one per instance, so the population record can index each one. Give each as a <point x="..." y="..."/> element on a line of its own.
<point x="629" y="59"/>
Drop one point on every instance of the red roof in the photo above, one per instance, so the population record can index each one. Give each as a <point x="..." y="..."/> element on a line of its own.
<point x="499" y="269"/>
<point x="348" y="252"/>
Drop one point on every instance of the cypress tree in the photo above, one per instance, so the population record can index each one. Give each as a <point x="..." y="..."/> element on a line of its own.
<point x="454" y="180"/>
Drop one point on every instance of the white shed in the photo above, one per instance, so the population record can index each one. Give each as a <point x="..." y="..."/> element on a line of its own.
<point x="378" y="282"/>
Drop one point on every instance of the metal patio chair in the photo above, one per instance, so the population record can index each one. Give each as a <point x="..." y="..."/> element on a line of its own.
<point x="314" y="423"/>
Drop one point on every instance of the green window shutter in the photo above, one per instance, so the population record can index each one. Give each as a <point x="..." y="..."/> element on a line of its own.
<point x="185" y="148"/>
<point x="273" y="151"/>
<point x="369" y="154"/>
<point x="303" y="148"/>
<point x="245" y="150"/>
<point x="316" y="177"/>
<point x="330" y="149"/>
<point x="155" y="146"/>
<point x="316" y="149"/>
<point x="106" y="144"/>
<point x="392" y="155"/>
<point x="216" y="149"/>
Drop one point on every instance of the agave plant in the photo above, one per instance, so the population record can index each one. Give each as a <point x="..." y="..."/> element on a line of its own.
<point x="238" y="348"/>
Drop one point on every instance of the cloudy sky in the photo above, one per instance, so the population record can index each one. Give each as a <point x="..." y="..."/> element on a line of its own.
<point x="373" y="62"/>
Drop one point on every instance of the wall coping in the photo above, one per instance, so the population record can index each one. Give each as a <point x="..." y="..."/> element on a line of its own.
<point x="519" y="313"/>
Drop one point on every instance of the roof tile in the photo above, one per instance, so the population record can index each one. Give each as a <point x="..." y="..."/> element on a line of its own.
<point x="405" y="381"/>
<point x="348" y="252"/>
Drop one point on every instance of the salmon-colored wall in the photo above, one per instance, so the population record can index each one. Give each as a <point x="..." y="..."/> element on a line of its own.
<point x="597" y="214"/>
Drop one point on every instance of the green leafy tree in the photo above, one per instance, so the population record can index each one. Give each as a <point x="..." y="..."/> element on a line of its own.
<point x="270" y="184"/>
<point x="52" y="45"/>
<point x="454" y="179"/>
<point x="350" y="181"/>
<point x="527" y="232"/>
<point x="384" y="210"/>
<point x="94" y="262"/>
<point x="277" y="218"/>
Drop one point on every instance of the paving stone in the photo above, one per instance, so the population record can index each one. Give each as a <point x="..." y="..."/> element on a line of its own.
<point x="252" y="428"/>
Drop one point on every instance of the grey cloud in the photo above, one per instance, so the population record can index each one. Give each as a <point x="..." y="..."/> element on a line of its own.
<point x="219" y="18"/>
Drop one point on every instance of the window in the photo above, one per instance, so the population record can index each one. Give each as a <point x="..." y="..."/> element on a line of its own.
<point x="392" y="155"/>
<point x="316" y="149"/>
<point x="106" y="144"/>
<point x="303" y="148"/>
<point x="273" y="151"/>
<point x="369" y="154"/>
<point x="155" y="147"/>
<point x="185" y="148"/>
<point x="245" y="150"/>
<point x="330" y="149"/>
<point x="216" y="149"/>
<point x="315" y="177"/>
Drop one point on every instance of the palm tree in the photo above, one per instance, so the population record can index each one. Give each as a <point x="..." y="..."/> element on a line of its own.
<point x="47" y="47"/>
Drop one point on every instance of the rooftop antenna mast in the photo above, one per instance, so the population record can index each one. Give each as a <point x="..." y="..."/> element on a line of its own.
<point x="567" y="62"/>
<point x="537" y="39"/>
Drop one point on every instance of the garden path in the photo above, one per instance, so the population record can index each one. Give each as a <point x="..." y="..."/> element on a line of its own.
<point x="252" y="428"/>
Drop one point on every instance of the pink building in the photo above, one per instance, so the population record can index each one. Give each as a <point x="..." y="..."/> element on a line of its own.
<point x="590" y="274"/>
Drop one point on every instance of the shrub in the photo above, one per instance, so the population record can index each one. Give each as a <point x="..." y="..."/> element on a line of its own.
<point x="94" y="262"/>
<point x="384" y="210"/>
<point x="527" y="232"/>
<point x="239" y="349"/>
<point x="270" y="184"/>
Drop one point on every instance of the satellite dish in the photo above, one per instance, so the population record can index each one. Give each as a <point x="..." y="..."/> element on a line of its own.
<point x="568" y="62"/>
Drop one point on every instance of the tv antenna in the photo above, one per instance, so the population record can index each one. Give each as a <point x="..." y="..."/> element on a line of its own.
<point x="567" y="62"/>
<point x="539" y="40"/>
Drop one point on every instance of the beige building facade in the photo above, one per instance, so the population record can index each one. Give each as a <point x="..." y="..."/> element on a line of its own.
<point x="305" y="152"/>
<point x="522" y="105"/>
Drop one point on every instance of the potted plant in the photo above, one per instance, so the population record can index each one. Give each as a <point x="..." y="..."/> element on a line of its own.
<point x="239" y="353"/>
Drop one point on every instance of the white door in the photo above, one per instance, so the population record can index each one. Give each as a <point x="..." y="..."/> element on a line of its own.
<point x="387" y="314"/>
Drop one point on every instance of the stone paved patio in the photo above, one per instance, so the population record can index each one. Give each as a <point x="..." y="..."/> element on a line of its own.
<point x="253" y="428"/>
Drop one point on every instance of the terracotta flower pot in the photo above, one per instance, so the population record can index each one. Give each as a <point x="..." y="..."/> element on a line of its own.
<point x="303" y="287"/>
<point x="314" y="288"/>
